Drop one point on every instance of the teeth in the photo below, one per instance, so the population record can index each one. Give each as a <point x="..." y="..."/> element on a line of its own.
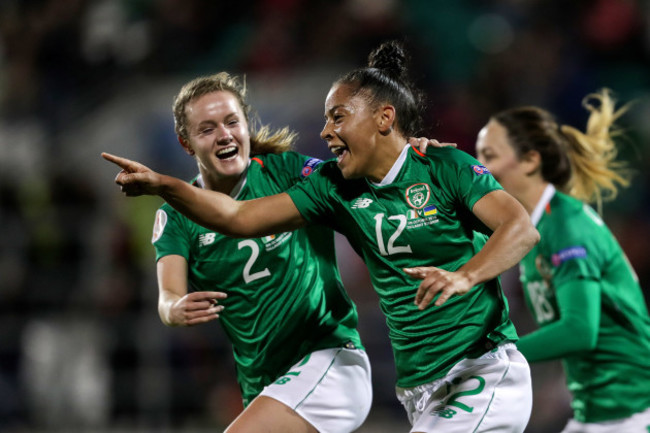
<point x="226" y="150"/>
<point x="337" y="150"/>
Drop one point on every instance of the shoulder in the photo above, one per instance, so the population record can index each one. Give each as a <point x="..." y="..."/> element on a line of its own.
<point x="570" y="221"/>
<point x="566" y="210"/>
<point x="287" y="161"/>
<point x="448" y="157"/>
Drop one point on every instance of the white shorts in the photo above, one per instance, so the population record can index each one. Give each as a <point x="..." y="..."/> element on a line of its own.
<point x="637" y="423"/>
<point x="330" y="388"/>
<point x="492" y="393"/>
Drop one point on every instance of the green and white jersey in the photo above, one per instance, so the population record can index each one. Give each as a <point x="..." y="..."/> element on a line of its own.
<point x="285" y="296"/>
<point x="419" y="215"/>
<point x="611" y="381"/>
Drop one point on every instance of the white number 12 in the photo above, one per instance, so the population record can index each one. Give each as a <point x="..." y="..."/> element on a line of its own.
<point x="392" y="248"/>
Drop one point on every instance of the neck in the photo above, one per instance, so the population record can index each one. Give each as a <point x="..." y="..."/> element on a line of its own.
<point x="386" y="153"/>
<point x="224" y="185"/>
<point x="531" y="195"/>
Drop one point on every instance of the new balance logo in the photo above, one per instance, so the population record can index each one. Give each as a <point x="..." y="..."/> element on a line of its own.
<point x="206" y="239"/>
<point x="362" y="203"/>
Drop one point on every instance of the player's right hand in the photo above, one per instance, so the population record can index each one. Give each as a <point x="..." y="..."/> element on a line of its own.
<point x="196" y="308"/>
<point x="135" y="179"/>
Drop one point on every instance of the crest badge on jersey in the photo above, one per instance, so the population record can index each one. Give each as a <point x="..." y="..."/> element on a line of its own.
<point x="309" y="166"/>
<point x="417" y="195"/>
<point x="159" y="225"/>
<point x="480" y="169"/>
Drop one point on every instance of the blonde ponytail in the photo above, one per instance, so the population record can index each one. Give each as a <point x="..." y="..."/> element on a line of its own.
<point x="596" y="175"/>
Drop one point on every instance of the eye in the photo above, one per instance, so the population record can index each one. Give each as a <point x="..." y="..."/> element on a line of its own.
<point x="233" y="122"/>
<point x="206" y="131"/>
<point x="337" y="118"/>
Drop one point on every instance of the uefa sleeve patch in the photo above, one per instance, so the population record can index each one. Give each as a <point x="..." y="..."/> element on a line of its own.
<point x="569" y="253"/>
<point x="159" y="225"/>
<point x="480" y="169"/>
<point x="309" y="166"/>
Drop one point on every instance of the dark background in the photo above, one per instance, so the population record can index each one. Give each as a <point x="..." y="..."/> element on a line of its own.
<point x="81" y="345"/>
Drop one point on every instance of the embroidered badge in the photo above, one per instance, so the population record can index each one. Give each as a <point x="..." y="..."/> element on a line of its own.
<point x="480" y="169"/>
<point x="576" y="252"/>
<point x="309" y="166"/>
<point x="417" y="196"/>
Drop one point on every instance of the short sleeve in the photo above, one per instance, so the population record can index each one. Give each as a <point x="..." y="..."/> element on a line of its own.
<point x="574" y="250"/>
<point x="313" y="197"/>
<point x="170" y="234"/>
<point x="467" y="178"/>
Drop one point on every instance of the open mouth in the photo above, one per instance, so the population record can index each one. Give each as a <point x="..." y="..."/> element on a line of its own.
<point x="340" y="152"/>
<point x="227" y="153"/>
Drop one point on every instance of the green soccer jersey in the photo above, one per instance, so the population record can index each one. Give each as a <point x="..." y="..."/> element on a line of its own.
<point x="611" y="381"/>
<point x="419" y="215"/>
<point x="285" y="296"/>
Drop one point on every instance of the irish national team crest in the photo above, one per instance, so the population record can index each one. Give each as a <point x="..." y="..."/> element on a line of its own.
<point x="417" y="196"/>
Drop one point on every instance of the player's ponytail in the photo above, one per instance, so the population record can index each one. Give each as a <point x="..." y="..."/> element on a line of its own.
<point x="581" y="164"/>
<point x="385" y="80"/>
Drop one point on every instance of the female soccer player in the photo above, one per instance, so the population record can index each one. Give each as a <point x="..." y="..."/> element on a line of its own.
<point x="457" y="367"/>
<point x="578" y="283"/>
<point x="300" y="363"/>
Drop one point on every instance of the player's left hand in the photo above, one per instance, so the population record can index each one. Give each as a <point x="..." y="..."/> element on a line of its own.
<point x="423" y="142"/>
<point x="436" y="280"/>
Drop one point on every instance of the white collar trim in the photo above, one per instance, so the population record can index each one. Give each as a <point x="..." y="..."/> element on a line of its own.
<point x="547" y="195"/>
<point x="236" y="189"/>
<point x="394" y="170"/>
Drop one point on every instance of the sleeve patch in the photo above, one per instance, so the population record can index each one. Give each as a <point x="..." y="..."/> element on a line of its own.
<point x="309" y="166"/>
<point x="576" y="252"/>
<point x="159" y="225"/>
<point x="480" y="169"/>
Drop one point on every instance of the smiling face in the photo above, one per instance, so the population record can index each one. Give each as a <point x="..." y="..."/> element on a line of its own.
<point x="351" y="128"/>
<point x="218" y="137"/>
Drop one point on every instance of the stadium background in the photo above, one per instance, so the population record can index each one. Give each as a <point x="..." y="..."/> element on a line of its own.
<point x="81" y="346"/>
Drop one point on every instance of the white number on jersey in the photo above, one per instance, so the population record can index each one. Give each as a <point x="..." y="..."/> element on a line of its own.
<point x="255" y="252"/>
<point x="538" y="290"/>
<point x="392" y="248"/>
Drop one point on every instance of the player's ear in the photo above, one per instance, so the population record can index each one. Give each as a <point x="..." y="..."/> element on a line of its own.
<point x="532" y="162"/>
<point x="385" y="119"/>
<point x="186" y="145"/>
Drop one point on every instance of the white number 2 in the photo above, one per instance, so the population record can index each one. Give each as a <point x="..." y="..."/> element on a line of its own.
<point x="392" y="248"/>
<point x="255" y="252"/>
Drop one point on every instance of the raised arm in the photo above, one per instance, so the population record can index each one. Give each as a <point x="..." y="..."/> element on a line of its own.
<point x="211" y="209"/>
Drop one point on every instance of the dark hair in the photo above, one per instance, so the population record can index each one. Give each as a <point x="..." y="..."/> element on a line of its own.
<point x="385" y="79"/>
<point x="581" y="164"/>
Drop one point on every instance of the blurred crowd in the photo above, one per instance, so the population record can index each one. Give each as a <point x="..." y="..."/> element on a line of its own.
<point x="81" y="345"/>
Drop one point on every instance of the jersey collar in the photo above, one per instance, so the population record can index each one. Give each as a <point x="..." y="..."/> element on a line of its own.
<point x="394" y="170"/>
<point x="547" y="195"/>
<point x="236" y="189"/>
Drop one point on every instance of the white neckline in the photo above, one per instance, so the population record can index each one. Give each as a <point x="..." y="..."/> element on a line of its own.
<point x="394" y="170"/>
<point x="547" y="195"/>
<point x="236" y="190"/>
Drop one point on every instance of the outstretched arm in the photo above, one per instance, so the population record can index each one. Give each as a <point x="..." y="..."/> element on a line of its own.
<point x="513" y="236"/>
<point x="211" y="209"/>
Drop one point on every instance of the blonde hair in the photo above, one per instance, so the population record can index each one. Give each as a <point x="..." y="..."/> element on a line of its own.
<point x="595" y="170"/>
<point x="263" y="138"/>
<point x="582" y="165"/>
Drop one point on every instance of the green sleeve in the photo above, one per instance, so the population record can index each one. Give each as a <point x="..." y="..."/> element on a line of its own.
<point x="575" y="331"/>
